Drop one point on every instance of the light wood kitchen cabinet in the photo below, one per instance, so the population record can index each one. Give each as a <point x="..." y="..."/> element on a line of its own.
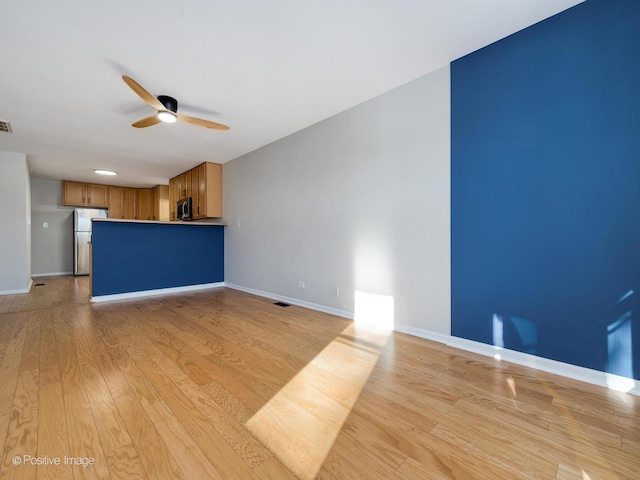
<point x="129" y="201"/>
<point x="173" y="198"/>
<point x="122" y="202"/>
<point x="77" y="194"/>
<point x="180" y="187"/>
<point x="204" y="185"/>
<point x="194" y="192"/>
<point x="116" y="202"/>
<point x="160" y="202"/>
<point x="73" y="193"/>
<point x="209" y="191"/>
<point x="143" y="204"/>
<point x="152" y="203"/>
<point x="183" y="186"/>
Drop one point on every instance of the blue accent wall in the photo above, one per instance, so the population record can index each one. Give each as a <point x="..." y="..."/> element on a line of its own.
<point x="133" y="257"/>
<point x="545" y="189"/>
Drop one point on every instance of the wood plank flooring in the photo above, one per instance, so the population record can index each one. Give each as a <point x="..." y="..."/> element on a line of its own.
<point x="220" y="384"/>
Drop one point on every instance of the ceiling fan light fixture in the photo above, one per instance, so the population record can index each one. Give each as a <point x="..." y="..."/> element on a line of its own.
<point x="101" y="171"/>
<point x="167" y="116"/>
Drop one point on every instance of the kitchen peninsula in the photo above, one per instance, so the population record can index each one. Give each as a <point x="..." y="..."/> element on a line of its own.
<point x="134" y="258"/>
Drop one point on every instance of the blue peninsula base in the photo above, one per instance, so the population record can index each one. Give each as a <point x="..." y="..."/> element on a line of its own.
<point x="130" y="256"/>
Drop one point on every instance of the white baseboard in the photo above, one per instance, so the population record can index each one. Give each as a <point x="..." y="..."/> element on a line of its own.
<point x="158" y="291"/>
<point x="419" y="332"/>
<point x="19" y="290"/>
<point x="596" y="377"/>
<point x="615" y="382"/>
<point x="294" y="301"/>
<point x="53" y="274"/>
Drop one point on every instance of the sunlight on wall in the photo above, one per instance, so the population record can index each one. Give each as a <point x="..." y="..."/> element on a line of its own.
<point x="302" y="421"/>
<point x="526" y="330"/>
<point x="373" y="309"/>
<point x="620" y="350"/>
<point x="372" y="263"/>
<point x="498" y="330"/>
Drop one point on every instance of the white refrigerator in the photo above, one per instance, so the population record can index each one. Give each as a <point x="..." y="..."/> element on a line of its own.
<point x="82" y="237"/>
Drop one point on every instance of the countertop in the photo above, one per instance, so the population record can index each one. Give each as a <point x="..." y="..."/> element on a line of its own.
<point x="190" y="223"/>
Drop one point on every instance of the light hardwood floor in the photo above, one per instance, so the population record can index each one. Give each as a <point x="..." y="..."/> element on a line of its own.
<point x="219" y="384"/>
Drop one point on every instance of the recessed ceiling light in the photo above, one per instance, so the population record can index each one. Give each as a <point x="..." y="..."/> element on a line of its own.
<point x="167" y="116"/>
<point x="105" y="172"/>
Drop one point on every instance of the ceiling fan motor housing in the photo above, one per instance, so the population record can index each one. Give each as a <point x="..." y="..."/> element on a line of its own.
<point x="169" y="103"/>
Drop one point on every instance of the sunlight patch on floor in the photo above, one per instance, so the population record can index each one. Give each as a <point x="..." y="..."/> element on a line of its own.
<point x="302" y="421"/>
<point x="620" y="384"/>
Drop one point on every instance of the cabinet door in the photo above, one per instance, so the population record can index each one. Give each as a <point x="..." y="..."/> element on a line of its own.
<point x="129" y="198"/>
<point x="116" y="202"/>
<point x="173" y="198"/>
<point x="73" y="194"/>
<point x="182" y="186"/>
<point x="97" y="195"/>
<point x="202" y="190"/>
<point x="187" y="184"/>
<point x="213" y="190"/>
<point x="143" y="203"/>
<point x="195" y="200"/>
<point x="152" y="204"/>
<point x="160" y="204"/>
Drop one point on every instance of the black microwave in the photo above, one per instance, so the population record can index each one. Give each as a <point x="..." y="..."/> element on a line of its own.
<point x="183" y="209"/>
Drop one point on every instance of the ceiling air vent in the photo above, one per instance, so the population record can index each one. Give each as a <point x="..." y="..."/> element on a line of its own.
<point x="5" y="126"/>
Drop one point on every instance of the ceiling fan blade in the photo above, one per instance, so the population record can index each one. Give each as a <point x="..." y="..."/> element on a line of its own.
<point x="142" y="93"/>
<point x="202" y="123"/>
<point x="147" y="122"/>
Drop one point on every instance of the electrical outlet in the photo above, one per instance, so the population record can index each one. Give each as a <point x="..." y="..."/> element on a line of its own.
<point x="336" y="292"/>
<point x="301" y="284"/>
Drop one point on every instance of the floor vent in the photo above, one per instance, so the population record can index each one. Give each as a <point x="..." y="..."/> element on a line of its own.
<point x="5" y="126"/>
<point x="281" y="304"/>
<point x="39" y="285"/>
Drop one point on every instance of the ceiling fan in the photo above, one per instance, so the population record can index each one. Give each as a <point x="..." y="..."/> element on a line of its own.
<point x="167" y="108"/>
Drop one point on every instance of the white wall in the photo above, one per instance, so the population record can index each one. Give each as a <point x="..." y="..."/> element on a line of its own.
<point x="15" y="219"/>
<point x="359" y="201"/>
<point x="51" y="247"/>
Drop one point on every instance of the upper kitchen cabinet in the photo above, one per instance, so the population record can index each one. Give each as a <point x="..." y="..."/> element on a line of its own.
<point x="116" y="202"/>
<point x="76" y="194"/>
<point x="207" y="198"/>
<point x="173" y="198"/>
<point x="204" y="185"/>
<point x="152" y="203"/>
<point x="143" y="204"/>
<point x="181" y="186"/>
<point x="160" y="202"/>
<point x="129" y="203"/>
<point x="122" y="202"/>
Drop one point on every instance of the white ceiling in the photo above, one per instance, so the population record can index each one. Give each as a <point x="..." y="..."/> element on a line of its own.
<point x="265" y="68"/>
